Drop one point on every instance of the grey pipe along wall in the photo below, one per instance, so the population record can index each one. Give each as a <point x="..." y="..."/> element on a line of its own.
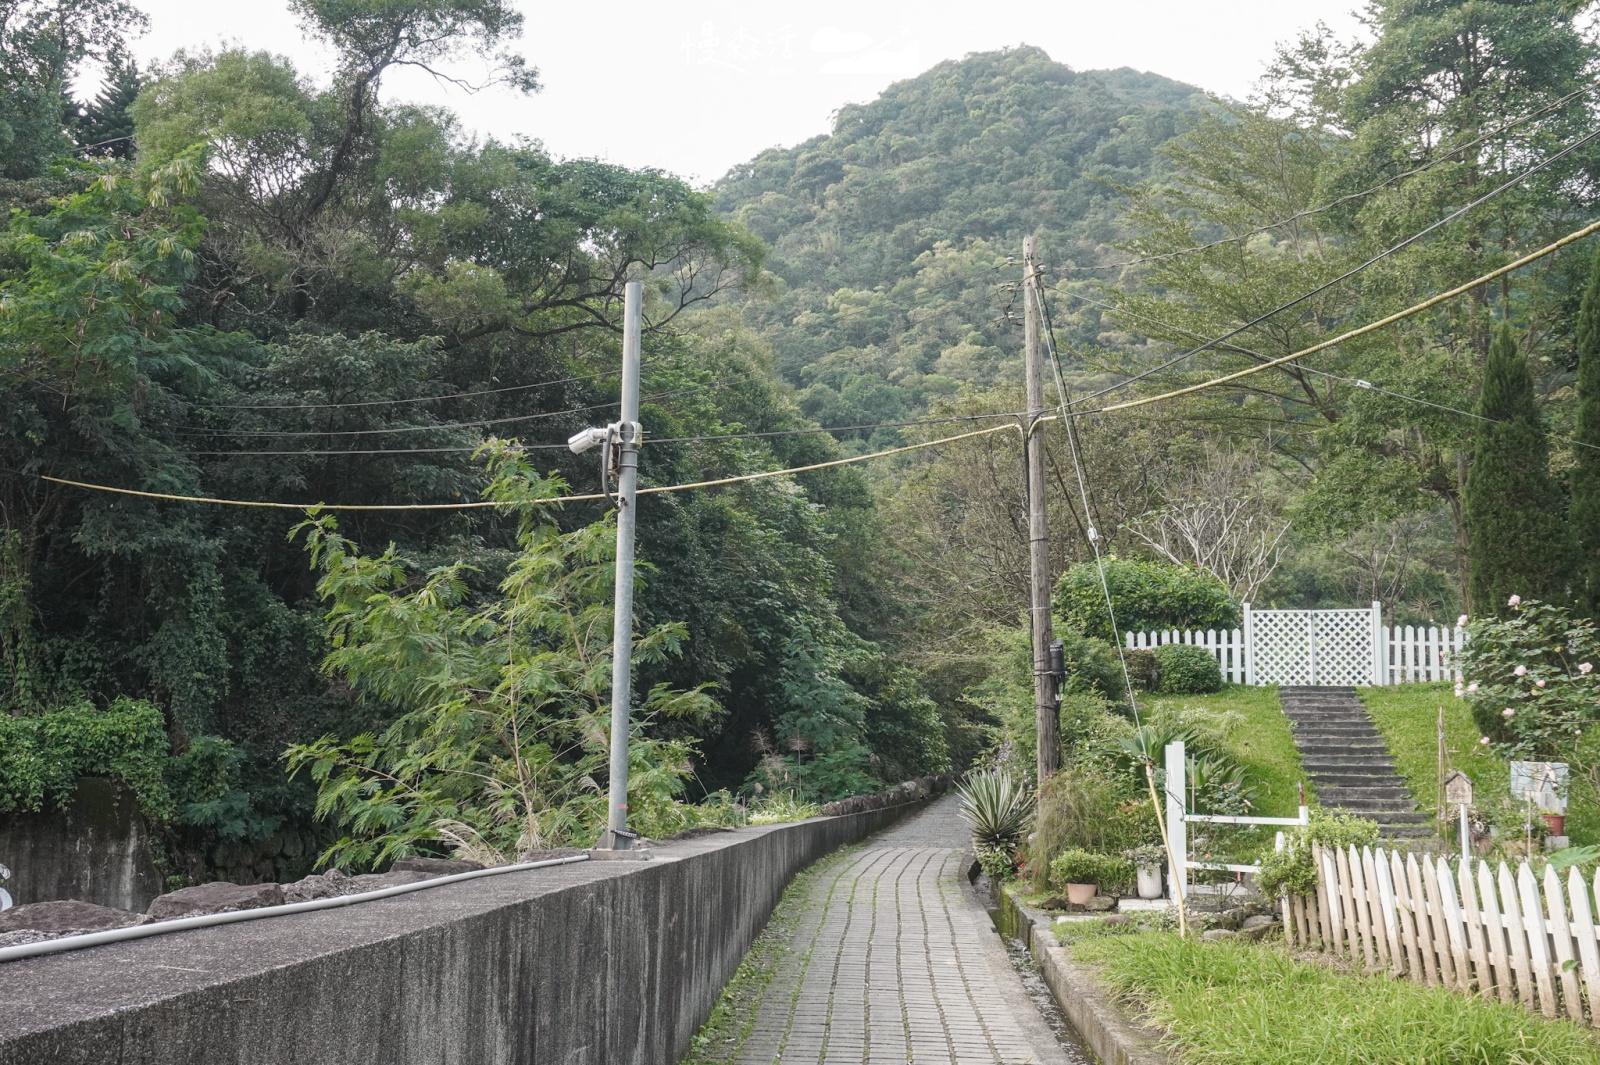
<point x="588" y="964"/>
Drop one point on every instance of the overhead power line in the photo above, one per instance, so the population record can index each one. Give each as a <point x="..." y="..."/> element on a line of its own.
<point x="1414" y="309"/>
<point x="411" y="399"/>
<point x="1347" y="198"/>
<point x="702" y="438"/>
<point x="1252" y="323"/>
<point x="282" y="433"/>
<point x="481" y="504"/>
<point x="1356" y="382"/>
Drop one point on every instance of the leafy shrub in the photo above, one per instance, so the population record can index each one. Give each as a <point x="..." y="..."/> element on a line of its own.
<point x="1093" y="664"/>
<point x="1533" y="680"/>
<point x="1187" y="670"/>
<point x="1143" y="669"/>
<point x="42" y="757"/>
<point x="1293" y="870"/>
<point x="1148" y="596"/>
<point x="1088" y="806"/>
<point x="996" y="808"/>
<point x="1085" y="867"/>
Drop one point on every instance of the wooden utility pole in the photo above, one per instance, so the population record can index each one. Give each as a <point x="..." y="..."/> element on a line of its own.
<point x="1046" y="720"/>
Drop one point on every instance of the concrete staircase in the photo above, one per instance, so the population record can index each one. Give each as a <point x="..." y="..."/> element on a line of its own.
<point x="1348" y="761"/>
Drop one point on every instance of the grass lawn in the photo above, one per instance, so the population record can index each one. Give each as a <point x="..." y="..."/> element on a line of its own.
<point x="1407" y="717"/>
<point x="1249" y="1004"/>
<point x="1257" y="734"/>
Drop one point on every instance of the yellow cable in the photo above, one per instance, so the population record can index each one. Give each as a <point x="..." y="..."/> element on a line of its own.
<point x="557" y="499"/>
<point x="1432" y="301"/>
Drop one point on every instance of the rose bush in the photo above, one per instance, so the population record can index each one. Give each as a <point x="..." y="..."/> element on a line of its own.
<point x="1530" y="679"/>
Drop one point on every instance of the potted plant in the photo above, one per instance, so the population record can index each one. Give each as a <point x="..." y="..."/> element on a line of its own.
<point x="1148" y="861"/>
<point x="1082" y="873"/>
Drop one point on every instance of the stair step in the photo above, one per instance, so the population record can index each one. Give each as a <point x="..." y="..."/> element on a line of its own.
<point x="1405" y="831"/>
<point x="1346" y="779"/>
<point x="1354" y="750"/>
<point x="1336" y="763"/>
<point x="1336" y="795"/>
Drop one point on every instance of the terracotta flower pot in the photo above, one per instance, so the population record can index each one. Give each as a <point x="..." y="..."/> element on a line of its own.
<point x="1557" y="823"/>
<point x="1079" y="894"/>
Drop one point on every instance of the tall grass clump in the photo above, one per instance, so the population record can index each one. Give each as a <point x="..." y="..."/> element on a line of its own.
<point x="1244" y="1004"/>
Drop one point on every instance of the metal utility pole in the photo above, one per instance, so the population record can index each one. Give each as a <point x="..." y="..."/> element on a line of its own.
<point x="624" y="437"/>
<point x="1046" y="714"/>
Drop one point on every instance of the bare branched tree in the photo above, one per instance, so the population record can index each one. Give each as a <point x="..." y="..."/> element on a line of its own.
<point x="1216" y="517"/>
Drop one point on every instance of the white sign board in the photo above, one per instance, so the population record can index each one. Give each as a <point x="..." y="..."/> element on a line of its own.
<point x="1545" y="783"/>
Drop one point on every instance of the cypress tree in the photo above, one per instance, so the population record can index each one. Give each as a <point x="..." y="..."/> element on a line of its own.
<point x="1521" y="544"/>
<point x="1585" y="513"/>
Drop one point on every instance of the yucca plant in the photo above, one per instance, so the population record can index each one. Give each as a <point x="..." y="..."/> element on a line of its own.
<point x="996" y="807"/>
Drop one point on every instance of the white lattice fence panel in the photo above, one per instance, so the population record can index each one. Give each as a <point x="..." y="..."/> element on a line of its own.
<point x="1342" y="649"/>
<point x="1281" y="645"/>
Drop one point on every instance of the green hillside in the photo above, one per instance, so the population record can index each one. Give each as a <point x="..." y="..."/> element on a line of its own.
<point x="890" y="235"/>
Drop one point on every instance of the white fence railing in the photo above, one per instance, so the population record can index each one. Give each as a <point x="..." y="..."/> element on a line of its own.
<point x="1179" y="865"/>
<point x="1501" y="934"/>
<point x="1320" y="647"/>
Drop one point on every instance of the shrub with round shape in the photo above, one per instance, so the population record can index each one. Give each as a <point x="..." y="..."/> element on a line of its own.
<point x="1187" y="670"/>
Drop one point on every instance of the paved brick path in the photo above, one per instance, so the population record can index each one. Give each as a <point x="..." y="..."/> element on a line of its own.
<point x="894" y="960"/>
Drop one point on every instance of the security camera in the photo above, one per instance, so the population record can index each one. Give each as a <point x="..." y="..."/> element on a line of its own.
<point x="583" y="441"/>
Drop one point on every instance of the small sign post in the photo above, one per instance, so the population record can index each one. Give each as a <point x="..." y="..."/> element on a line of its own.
<point x="1458" y="792"/>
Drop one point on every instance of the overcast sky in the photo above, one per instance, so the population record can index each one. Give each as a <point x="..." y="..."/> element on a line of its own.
<point x="697" y="89"/>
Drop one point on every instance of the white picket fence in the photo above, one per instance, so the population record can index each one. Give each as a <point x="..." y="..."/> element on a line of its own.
<point x="1320" y="647"/>
<point x="1516" y="936"/>
<point x="1227" y="647"/>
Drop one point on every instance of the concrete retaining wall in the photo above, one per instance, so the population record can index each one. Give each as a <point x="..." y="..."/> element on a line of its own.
<point x="95" y="850"/>
<point x="599" y="963"/>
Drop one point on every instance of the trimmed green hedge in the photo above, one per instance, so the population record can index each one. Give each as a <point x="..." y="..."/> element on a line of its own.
<point x="1148" y="596"/>
<point x="1187" y="670"/>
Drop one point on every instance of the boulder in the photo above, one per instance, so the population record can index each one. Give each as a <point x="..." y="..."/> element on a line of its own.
<point x="328" y="885"/>
<point x="355" y="885"/>
<point x="1218" y="935"/>
<point x="66" y="917"/>
<point x="1259" y="921"/>
<point x="435" y="866"/>
<point x="1101" y="904"/>
<point x="218" y="897"/>
<point x="1115" y="919"/>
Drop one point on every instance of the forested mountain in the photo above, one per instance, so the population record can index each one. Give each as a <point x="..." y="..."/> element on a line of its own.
<point x="890" y="235"/>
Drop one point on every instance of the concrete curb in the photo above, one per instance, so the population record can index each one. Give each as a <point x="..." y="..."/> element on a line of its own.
<point x="1102" y="1024"/>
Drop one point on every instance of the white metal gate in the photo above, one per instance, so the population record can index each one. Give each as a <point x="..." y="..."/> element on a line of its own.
<point x="1324" y="647"/>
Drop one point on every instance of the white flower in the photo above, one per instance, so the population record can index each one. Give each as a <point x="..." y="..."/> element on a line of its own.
<point x="1484" y="740"/>
<point x="1539" y="683"/>
<point x="1515" y="600"/>
<point x="1461" y="622"/>
<point x="1460" y="692"/>
<point x="1585" y="668"/>
<point x="1508" y="712"/>
<point x="1521" y="671"/>
<point x="1472" y="688"/>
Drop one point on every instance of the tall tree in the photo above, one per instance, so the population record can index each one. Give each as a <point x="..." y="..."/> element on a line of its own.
<point x="42" y="42"/>
<point x="105" y="126"/>
<point x="1520" y="541"/>
<point x="1585" y="512"/>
